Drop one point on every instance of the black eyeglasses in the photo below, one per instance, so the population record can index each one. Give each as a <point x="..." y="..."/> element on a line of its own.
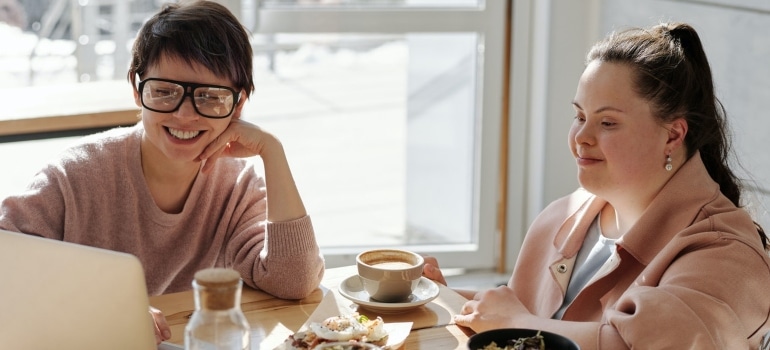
<point x="166" y="96"/>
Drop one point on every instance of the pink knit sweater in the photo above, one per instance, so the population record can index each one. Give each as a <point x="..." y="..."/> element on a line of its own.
<point x="95" y="194"/>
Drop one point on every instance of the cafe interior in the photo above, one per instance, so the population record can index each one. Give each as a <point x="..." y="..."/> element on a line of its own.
<point x="447" y="120"/>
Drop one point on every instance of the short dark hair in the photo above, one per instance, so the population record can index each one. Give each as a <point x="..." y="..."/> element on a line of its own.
<point x="202" y="32"/>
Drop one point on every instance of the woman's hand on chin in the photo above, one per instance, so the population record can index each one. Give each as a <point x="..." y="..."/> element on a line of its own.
<point x="240" y="139"/>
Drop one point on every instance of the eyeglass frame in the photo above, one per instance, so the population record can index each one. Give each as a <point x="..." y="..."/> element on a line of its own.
<point x="192" y="87"/>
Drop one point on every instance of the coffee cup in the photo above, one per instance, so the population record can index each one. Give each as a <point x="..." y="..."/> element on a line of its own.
<point x="389" y="275"/>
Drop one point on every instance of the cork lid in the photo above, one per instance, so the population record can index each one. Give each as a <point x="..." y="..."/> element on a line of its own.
<point x="217" y="277"/>
<point x="219" y="288"/>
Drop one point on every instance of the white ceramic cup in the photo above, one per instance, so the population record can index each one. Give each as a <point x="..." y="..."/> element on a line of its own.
<point x="389" y="275"/>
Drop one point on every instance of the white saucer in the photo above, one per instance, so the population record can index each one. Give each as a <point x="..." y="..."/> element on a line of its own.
<point x="353" y="289"/>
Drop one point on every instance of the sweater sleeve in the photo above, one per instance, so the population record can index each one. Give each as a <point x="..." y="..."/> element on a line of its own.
<point x="280" y="258"/>
<point x="39" y="209"/>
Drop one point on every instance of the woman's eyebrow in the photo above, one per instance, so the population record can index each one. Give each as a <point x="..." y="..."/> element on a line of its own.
<point x="600" y="109"/>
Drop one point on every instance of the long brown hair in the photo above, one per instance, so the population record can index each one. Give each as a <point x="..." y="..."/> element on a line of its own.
<point x="673" y="74"/>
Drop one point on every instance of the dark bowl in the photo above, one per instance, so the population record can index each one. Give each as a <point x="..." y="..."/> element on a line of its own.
<point x="502" y="336"/>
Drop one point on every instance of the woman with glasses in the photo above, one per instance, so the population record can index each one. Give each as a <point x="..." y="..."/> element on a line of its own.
<point x="174" y="189"/>
<point x="654" y="251"/>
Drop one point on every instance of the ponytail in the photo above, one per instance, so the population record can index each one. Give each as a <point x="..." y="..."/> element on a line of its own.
<point x="673" y="73"/>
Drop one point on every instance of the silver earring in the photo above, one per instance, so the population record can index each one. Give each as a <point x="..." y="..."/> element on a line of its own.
<point x="668" y="163"/>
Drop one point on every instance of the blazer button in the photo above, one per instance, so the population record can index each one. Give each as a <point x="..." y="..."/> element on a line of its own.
<point x="562" y="268"/>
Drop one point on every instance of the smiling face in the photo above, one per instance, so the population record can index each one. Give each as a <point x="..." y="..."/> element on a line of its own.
<point x="182" y="135"/>
<point x="619" y="146"/>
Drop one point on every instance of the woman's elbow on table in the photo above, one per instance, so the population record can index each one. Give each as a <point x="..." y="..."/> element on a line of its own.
<point x="296" y="289"/>
<point x="296" y="283"/>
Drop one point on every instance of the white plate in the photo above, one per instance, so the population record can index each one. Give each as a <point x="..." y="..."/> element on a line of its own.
<point x="353" y="289"/>
<point x="397" y="333"/>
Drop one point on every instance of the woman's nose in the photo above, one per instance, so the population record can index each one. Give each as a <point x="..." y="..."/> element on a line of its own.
<point x="583" y="134"/>
<point x="186" y="109"/>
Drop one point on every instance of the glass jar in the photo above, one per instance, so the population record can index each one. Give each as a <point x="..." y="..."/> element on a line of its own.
<point x="218" y="322"/>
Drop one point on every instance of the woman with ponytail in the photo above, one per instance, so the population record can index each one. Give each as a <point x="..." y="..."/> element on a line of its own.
<point x="654" y="251"/>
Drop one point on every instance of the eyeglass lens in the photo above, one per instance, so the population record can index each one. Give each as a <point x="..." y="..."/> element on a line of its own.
<point x="165" y="97"/>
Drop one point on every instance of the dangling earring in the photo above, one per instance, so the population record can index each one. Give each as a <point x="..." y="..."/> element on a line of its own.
<point x="668" y="163"/>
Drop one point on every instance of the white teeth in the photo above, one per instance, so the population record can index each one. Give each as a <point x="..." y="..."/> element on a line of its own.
<point x="184" y="135"/>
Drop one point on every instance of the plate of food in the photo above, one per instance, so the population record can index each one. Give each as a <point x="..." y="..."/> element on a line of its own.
<point x="353" y="328"/>
<point x="520" y="339"/>
<point x="352" y="289"/>
<point x="334" y="322"/>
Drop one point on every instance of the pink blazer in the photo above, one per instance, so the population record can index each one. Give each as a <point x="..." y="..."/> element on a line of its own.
<point x="690" y="274"/>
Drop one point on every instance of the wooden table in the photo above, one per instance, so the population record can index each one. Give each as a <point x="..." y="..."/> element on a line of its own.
<point x="273" y="319"/>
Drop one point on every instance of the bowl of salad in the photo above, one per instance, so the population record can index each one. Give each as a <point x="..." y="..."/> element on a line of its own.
<point x="520" y="339"/>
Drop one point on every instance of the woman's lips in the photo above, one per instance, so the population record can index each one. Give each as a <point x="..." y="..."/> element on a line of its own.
<point x="585" y="161"/>
<point x="183" y="134"/>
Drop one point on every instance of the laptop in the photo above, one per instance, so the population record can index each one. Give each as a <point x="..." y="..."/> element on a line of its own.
<point x="59" y="295"/>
